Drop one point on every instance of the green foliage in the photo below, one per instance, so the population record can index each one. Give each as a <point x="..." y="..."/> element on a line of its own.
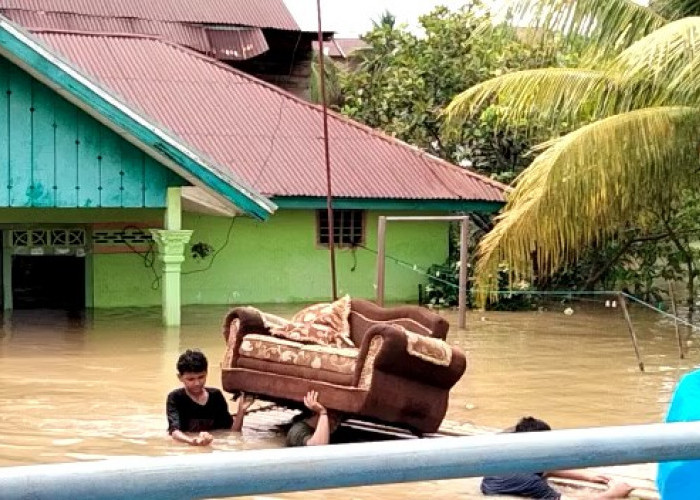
<point x="442" y="290"/>
<point x="641" y="261"/>
<point x="622" y="180"/>
<point x="403" y="81"/>
<point x="331" y="81"/>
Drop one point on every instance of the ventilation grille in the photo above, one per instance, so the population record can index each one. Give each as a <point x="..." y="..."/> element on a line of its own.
<point x="62" y="237"/>
<point x="127" y="237"/>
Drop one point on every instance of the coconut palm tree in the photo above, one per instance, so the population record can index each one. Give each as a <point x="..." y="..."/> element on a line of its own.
<point x="627" y="126"/>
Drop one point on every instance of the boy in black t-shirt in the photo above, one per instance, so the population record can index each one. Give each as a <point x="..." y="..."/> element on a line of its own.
<point x="535" y="485"/>
<point x="194" y="407"/>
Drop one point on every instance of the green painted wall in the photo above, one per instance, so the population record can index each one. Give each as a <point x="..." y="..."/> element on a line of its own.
<point x="274" y="261"/>
<point x="53" y="154"/>
<point x="278" y="261"/>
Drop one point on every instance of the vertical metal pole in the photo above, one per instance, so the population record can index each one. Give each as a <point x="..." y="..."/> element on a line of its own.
<point x="623" y="304"/>
<point x="463" y="257"/>
<point x="329" y="205"/>
<point x="672" y="295"/>
<point x="381" y="257"/>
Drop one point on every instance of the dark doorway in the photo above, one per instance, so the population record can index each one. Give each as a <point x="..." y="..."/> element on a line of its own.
<point x="48" y="282"/>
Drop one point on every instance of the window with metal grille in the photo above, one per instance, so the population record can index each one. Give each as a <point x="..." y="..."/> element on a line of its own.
<point x="348" y="227"/>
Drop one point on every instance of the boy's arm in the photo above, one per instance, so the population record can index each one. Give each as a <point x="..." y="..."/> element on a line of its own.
<point x="616" y="489"/>
<point x="579" y="476"/>
<point x="322" y="434"/>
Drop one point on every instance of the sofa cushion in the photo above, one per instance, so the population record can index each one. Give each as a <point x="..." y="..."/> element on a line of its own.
<point x="264" y="347"/>
<point x="322" y="324"/>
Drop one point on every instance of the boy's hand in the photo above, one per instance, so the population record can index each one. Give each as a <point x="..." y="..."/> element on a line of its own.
<point x="248" y="402"/>
<point x="311" y="402"/>
<point x="618" y="489"/>
<point x="204" y="439"/>
<point x="599" y="478"/>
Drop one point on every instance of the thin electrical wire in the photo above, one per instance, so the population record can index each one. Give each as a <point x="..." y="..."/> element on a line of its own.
<point x="552" y="293"/>
<point x="149" y="256"/>
<point x="275" y="132"/>
<point x="217" y="252"/>
<point x="660" y="311"/>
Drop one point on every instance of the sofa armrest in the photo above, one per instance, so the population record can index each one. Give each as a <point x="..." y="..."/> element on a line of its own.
<point x="393" y="357"/>
<point x="240" y="322"/>
<point x="250" y="320"/>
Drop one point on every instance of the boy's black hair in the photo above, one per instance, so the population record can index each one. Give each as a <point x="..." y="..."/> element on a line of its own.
<point x="192" y="361"/>
<point x="531" y="424"/>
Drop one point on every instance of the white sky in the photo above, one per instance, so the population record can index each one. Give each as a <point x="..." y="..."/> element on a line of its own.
<point x="350" y="18"/>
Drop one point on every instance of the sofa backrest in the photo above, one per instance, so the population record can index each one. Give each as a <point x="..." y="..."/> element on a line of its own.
<point x="364" y="313"/>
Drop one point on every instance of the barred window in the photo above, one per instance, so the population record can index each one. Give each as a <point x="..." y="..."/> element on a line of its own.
<point x="348" y="227"/>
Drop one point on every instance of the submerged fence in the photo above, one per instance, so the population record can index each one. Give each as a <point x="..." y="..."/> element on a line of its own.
<point x="295" y="469"/>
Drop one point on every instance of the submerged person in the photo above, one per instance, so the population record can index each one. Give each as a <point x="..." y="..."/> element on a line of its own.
<point x="535" y="485"/>
<point x="195" y="408"/>
<point x="315" y="428"/>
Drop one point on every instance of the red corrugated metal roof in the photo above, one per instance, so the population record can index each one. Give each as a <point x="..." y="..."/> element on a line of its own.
<point x="268" y="137"/>
<point x="258" y="13"/>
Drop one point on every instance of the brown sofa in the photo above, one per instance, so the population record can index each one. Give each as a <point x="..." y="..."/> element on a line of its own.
<point x="400" y="372"/>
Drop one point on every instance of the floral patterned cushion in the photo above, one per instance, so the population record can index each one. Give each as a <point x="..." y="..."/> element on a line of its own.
<point x="435" y="351"/>
<point x="283" y="351"/>
<point x="322" y="324"/>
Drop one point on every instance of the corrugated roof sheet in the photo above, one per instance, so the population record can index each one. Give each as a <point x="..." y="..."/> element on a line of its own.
<point x="268" y="137"/>
<point x="181" y="33"/>
<point x="231" y="43"/>
<point x="258" y="13"/>
<point x="236" y="44"/>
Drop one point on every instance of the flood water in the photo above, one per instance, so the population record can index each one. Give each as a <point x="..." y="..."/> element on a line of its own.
<point x="94" y="387"/>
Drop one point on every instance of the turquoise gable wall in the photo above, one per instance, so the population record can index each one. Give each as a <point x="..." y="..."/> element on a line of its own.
<point x="52" y="154"/>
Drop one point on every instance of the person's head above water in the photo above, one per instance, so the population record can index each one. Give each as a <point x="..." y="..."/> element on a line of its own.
<point x="531" y="424"/>
<point x="192" y="361"/>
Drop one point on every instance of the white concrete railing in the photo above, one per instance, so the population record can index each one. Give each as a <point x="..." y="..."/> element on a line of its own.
<point x="294" y="469"/>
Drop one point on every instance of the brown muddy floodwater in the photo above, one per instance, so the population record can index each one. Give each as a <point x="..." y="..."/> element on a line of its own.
<point x="89" y="388"/>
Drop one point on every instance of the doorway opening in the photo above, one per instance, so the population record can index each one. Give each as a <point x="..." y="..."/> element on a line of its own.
<point x="48" y="282"/>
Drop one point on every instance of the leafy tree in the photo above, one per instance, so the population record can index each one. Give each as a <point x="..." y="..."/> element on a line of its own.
<point x="631" y="159"/>
<point x="402" y="82"/>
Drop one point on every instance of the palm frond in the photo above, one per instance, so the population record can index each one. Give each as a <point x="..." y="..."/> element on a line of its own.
<point x="665" y="55"/>
<point x="685" y="85"/>
<point x="588" y="184"/>
<point x="676" y="9"/>
<point x="550" y="97"/>
<point x="610" y="25"/>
